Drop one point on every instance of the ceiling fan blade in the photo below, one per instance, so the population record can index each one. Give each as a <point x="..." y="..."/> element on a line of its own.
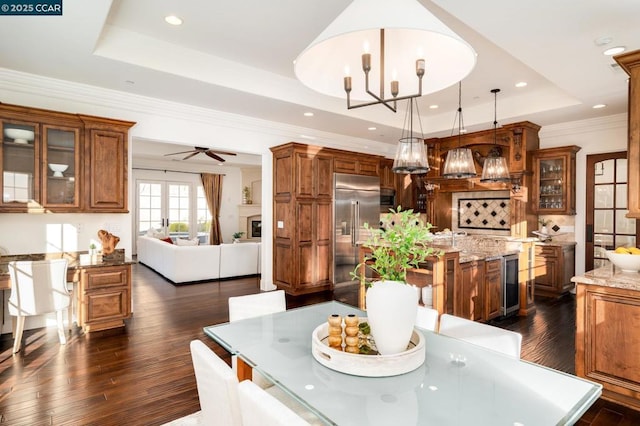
<point x="181" y="152"/>
<point x="222" y="152"/>
<point x="191" y="155"/>
<point x="214" y="156"/>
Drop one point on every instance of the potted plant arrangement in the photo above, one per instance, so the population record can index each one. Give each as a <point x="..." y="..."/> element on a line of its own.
<point x="543" y="225"/>
<point x="237" y="236"/>
<point x="246" y="195"/>
<point x="401" y="244"/>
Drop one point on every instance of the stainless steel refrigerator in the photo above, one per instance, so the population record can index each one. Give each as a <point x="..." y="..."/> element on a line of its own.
<point x="356" y="202"/>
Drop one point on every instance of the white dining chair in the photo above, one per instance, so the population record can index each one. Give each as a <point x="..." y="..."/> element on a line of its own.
<point x="37" y="288"/>
<point x="259" y="408"/>
<point x="427" y="318"/>
<point x="494" y="338"/>
<point x="254" y="305"/>
<point x="251" y="306"/>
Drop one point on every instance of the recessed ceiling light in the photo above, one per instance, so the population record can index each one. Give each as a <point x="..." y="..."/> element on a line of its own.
<point x="372" y="128"/>
<point x="308" y="114"/>
<point x="308" y="137"/>
<point x="521" y="84"/>
<point x="598" y="106"/>
<point x="433" y="106"/>
<point x="614" y="50"/>
<point x="173" y="20"/>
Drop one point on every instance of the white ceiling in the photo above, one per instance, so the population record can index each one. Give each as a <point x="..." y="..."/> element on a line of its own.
<point x="238" y="57"/>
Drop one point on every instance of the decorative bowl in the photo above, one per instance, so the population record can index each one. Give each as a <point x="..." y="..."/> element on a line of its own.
<point x="58" y="169"/>
<point x="626" y="262"/>
<point x="19" y="135"/>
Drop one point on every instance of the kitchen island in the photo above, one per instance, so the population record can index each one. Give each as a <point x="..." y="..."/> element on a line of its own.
<point x="608" y="332"/>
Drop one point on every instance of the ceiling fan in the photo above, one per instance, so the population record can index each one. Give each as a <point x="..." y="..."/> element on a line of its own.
<point x="209" y="152"/>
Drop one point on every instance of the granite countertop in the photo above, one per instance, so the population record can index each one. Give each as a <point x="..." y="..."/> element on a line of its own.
<point x="558" y="243"/>
<point x="610" y="276"/>
<point x="77" y="260"/>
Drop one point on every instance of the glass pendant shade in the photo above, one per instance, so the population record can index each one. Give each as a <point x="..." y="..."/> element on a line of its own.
<point x="459" y="164"/>
<point x="411" y="156"/>
<point x="495" y="170"/>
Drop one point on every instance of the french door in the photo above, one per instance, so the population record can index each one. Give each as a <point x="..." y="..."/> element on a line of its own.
<point x="606" y="224"/>
<point x="165" y="207"/>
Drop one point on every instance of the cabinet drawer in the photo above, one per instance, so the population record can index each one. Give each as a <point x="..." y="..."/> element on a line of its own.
<point x="106" y="277"/>
<point x="492" y="265"/>
<point x="107" y="305"/>
<point x="547" y="251"/>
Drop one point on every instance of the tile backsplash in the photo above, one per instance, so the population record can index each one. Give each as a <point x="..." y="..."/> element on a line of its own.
<point x="481" y="212"/>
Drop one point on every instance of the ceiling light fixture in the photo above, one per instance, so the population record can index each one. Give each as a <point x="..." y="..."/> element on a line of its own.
<point x="308" y="114"/>
<point x="434" y="106"/>
<point x="406" y="39"/>
<point x="411" y="153"/>
<point x="495" y="167"/>
<point x="521" y="84"/>
<point x="173" y="20"/>
<point x="614" y="50"/>
<point x="372" y="128"/>
<point x="598" y="106"/>
<point x="459" y="162"/>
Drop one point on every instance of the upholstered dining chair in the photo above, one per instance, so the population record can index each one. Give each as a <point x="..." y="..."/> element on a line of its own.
<point x="37" y="288"/>
<point x="254" y="305"/>
<point x="427" y="318"/>
<point x="488" y="336"/>
<point x="259" y="408"/>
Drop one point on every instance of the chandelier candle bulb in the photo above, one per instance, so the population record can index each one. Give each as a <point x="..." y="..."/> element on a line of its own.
<point x="347" y="84"/>
<point x="420" y="67"/>
<point x="366" y="62"/>
<point x="394" y="88"/>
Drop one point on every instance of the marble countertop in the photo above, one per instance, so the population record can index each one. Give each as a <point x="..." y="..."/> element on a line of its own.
<point x="557" y="243"/>
<point x="610" y="276"/>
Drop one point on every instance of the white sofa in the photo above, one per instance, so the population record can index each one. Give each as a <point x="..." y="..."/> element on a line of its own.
<point x="181" y="264"/>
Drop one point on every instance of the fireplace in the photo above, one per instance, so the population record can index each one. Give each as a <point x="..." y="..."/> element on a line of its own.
<point x="254" y="226"/>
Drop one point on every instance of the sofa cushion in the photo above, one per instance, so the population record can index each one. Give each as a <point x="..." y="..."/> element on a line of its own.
<point x="167" y="240"/>
<point x="186" y="242"/>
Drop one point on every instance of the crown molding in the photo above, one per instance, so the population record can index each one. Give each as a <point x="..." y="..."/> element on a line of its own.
<point x="600" y="124"/>
<point x="72" y="96"/>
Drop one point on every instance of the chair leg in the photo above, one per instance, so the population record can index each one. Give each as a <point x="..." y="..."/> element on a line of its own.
<point x="17" y="334"/>
<point x="61" y="333"/>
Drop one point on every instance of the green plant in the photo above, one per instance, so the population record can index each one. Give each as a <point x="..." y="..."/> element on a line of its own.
<point x="401" y="244"/>
<point x="178" y="227"/>
<point x="544" y="222"/>
<point x="92" y="246"/>
<point x="238" y="235"/>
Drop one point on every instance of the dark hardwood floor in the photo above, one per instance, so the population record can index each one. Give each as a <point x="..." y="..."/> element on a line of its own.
<point x="142" y="374"/>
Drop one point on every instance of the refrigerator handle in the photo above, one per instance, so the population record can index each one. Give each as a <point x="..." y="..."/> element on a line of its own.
<point x="355" y="220"/>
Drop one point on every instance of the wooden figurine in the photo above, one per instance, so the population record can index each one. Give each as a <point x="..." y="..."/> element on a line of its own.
<point x="109" y="241"/>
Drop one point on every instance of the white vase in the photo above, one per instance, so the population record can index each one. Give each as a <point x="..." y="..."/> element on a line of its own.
<point x="544" y="230"/>
<point x="391" y="313"/>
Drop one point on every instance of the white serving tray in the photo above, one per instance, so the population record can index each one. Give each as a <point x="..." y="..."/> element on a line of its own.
<point x="367" y="365"/>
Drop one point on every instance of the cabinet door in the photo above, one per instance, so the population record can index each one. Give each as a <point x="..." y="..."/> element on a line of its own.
<point x="61" y="167"/>
<point x="493" y="289"/>
<point x="470" y="294"/>
<point x="106" y="170"/>
<point x="546" y="269"/>
<point x="20" y="159"/>
<point x="553" y="190"/>
<point x="387" y="177"/>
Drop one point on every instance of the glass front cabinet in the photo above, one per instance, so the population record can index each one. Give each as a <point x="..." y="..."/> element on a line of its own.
<point x="554" y="180"/>
<point x="40" y="166"/>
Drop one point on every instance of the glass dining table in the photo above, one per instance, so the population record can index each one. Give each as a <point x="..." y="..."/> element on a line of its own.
<point x="458" y="384"/>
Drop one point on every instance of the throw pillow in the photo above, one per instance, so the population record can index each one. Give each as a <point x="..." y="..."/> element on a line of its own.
<point x="155" y="234"/>
<point x="187" y="242"/>
<point x="167" y="240"/>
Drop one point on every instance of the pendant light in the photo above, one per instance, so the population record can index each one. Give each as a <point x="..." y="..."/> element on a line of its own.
<point x="495" y="167"/>
<point x="411" y="153"/>
<point x="459" y="162"/>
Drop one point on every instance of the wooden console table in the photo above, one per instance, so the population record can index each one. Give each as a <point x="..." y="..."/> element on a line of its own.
<point x="102" y="288"/>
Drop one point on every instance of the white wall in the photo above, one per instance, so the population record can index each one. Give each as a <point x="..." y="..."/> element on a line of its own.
<point x="608" y="134"/>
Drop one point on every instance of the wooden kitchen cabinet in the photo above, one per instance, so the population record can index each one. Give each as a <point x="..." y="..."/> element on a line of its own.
<point x="607" y="340"/>
<point x="387" y="177"/>
<point x="104" y="297"/>
<point x="630" y="62"/>
<point x="492" y="288"/>
<point x="554" y="180"/>
<point x="470" y="291"/>
<point x="356" y="164"/>
<point x="60" y="162"/>
<point x="302" y="220"/>
<point x="554" y="268"/>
